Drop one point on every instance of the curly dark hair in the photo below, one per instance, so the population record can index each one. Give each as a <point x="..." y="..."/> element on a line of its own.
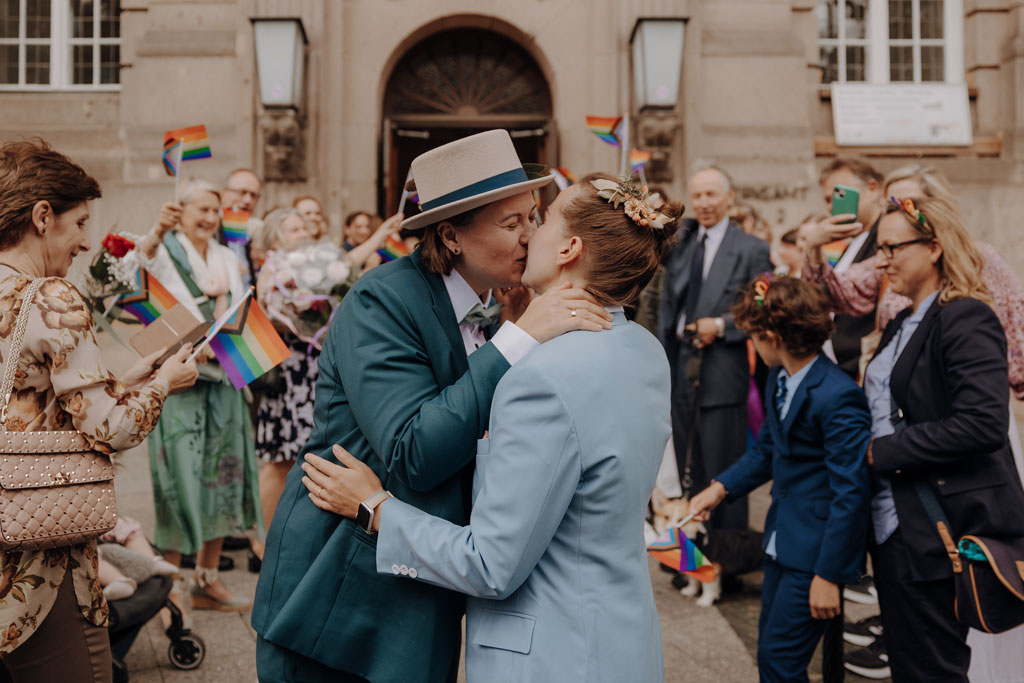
<point x="796" y="310"/>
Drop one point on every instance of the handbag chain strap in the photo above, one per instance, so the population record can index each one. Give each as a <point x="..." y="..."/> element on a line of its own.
<point x="14" y="351"/>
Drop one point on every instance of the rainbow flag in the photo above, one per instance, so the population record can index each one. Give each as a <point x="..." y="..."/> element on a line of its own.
<point x="245" y="343"/>
<point x="833" y="251"/>
<point x="172" y="156"/>
<point x="638" y="159"/>
<point x="608" y="128"/>
<point x="673" y="549"/>
<point x="235" y="225"/>
<point x="393" y="249"/>
<point x="149" y="301"/>
<point x="195" y="143"/>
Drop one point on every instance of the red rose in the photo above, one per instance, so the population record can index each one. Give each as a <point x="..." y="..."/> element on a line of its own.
<point x="117" y="246"/>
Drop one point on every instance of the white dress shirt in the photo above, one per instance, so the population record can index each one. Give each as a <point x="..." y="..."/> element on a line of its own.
<point x="511" y="341"/>
<point x="715" y="234"/>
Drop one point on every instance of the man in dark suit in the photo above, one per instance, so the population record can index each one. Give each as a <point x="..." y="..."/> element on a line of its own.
<point x="702" y="276"/>
<point x="845" y="342"/>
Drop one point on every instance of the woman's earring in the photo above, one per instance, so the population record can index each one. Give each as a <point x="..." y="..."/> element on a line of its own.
<point x="456" y="251"/>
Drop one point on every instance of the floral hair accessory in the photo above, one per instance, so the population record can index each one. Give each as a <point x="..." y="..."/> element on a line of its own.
<point x="639" y="203"/>
<point x="761" y="285"/>
<point x="907" y="205"/>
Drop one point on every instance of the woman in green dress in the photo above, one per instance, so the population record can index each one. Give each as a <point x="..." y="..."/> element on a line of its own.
<point x="202" y="455"/>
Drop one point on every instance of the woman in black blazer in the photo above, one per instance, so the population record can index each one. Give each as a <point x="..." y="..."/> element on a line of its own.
<point x="943" y="363"/>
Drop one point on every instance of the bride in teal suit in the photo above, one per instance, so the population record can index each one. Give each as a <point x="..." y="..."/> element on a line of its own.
<point x="406" y="378"/>
<point x="553" y="555"/>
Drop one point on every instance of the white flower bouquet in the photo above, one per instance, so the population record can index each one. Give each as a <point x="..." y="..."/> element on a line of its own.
<point x="307" y="281"/>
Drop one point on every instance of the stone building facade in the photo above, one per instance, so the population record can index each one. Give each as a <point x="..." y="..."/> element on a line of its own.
<point x="386" y="79"/>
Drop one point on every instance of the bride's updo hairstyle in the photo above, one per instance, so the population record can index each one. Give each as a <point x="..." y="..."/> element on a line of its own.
<point x="620" y="255"/>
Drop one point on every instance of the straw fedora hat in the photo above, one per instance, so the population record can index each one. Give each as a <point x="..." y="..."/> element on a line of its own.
<point x="466" y="174"/>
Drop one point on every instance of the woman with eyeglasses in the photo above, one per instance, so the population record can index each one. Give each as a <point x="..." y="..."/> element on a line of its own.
<point x="937" y="392"/>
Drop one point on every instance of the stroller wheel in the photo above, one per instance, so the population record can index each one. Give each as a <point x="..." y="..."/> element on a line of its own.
<point x="186" y="652"/>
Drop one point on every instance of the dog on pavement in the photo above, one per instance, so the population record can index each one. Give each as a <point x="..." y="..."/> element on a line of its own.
<point x="731" y="551"/>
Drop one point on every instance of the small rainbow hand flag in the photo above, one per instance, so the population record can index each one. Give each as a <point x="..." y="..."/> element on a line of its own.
<point x="245" y="343"/>
<point x="673" y="549"/>
<point x="149" y="301"/>
<point x="393" y="249"/>
<point x="194" y="141"/>
<point x="608" y="128"/>
<point x="235" y="225"/>
<point x="833" y="251"/>
<point x="638" y="159"/>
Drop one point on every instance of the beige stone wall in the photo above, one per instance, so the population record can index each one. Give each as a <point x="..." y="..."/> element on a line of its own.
<point x="749" y="97"/>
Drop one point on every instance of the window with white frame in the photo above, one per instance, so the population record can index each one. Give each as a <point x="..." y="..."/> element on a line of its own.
<point x="890" y="41"/>
<point x="60" y="44"/>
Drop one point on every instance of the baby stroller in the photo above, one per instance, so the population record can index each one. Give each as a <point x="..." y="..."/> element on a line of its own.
<point x="128" y="616"/>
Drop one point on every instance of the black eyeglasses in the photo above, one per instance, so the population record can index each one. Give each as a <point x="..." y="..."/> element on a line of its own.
<point x="887" y="250"/>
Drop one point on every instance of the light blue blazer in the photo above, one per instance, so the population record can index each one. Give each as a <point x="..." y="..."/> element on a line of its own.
<point x="554" y="557"/>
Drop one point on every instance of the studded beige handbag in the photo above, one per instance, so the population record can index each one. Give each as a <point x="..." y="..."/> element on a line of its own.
<point x="54" y="489"/>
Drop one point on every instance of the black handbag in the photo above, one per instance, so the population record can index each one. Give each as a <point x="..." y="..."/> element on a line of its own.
<point x="988" y="573"/>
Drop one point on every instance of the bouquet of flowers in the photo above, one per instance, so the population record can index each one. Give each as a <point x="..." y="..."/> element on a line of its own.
<point x="307" y="282"/>
<point x="114" y="271"/>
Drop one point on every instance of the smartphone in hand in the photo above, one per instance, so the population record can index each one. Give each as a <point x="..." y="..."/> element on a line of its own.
<point x="845" y="200"/>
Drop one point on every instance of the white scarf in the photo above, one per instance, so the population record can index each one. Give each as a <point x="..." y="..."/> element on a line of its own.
<point x="216" y="275"/>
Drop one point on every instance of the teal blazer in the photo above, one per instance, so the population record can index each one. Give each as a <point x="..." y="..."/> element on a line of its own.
<point x="398" y="392"/>
<point x="554" y="552"/>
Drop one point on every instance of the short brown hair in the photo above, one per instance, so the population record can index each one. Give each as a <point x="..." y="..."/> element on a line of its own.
<point x="858" y="167"/>
<point x="438" y="258"/>
<point x="32" y="171"/>
<point x="352" y="216"/>
<point x="796" y="310"/>
<point x="620" y="255"/>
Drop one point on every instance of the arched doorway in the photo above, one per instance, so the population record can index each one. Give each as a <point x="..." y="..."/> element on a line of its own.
<point x="455" y="83"/>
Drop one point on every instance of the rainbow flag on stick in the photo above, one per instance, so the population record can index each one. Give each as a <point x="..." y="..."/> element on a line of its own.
<point x="563" y="178"/>
<point x="194" y="141"/>
<point x="638" y="159"/>
<point x="608" y="128"/>
<point x="393" y="249"/>
<point x="149" y="301"/>
<point x="245" y="343"/>
<point x="235" y="225"/>
<point x="673" y="549"/>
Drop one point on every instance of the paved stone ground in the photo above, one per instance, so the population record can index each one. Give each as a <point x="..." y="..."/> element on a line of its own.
<point x="700" y="645"/>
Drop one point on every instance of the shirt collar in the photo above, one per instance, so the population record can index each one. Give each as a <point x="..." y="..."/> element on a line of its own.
<point x="716" y="232"/>
<point x="615" y="309"/>
<point x="795" y="380"/>
<point x="462" y="296"/>
<point x="919" y="312"/>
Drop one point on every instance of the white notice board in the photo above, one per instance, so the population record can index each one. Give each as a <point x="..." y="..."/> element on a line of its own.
<point x="901" y="114"/>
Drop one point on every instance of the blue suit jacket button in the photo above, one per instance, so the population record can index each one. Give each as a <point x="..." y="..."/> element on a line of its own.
<point x="396" y="570"/>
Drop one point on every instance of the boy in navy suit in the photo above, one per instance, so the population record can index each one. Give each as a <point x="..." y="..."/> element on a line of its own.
<point x="813" y="445"/>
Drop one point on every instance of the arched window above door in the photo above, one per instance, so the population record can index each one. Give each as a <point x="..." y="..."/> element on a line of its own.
<point x="467" y="73"/>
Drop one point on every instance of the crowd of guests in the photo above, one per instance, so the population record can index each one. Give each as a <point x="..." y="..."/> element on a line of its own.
<point x="889" y="346"/>
<point x="928" y="322"/>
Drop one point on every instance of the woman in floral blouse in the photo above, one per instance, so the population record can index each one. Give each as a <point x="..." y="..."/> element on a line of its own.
<point x="53" y="616"/>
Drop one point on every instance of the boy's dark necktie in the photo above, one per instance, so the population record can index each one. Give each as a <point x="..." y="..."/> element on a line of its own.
<point x="780" y="394"/>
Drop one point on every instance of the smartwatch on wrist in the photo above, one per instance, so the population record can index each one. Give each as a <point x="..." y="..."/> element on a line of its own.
<point x="364" y="516"/>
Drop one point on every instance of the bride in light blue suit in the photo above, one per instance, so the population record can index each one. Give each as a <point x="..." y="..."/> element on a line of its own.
<point x="553" y="557"/>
